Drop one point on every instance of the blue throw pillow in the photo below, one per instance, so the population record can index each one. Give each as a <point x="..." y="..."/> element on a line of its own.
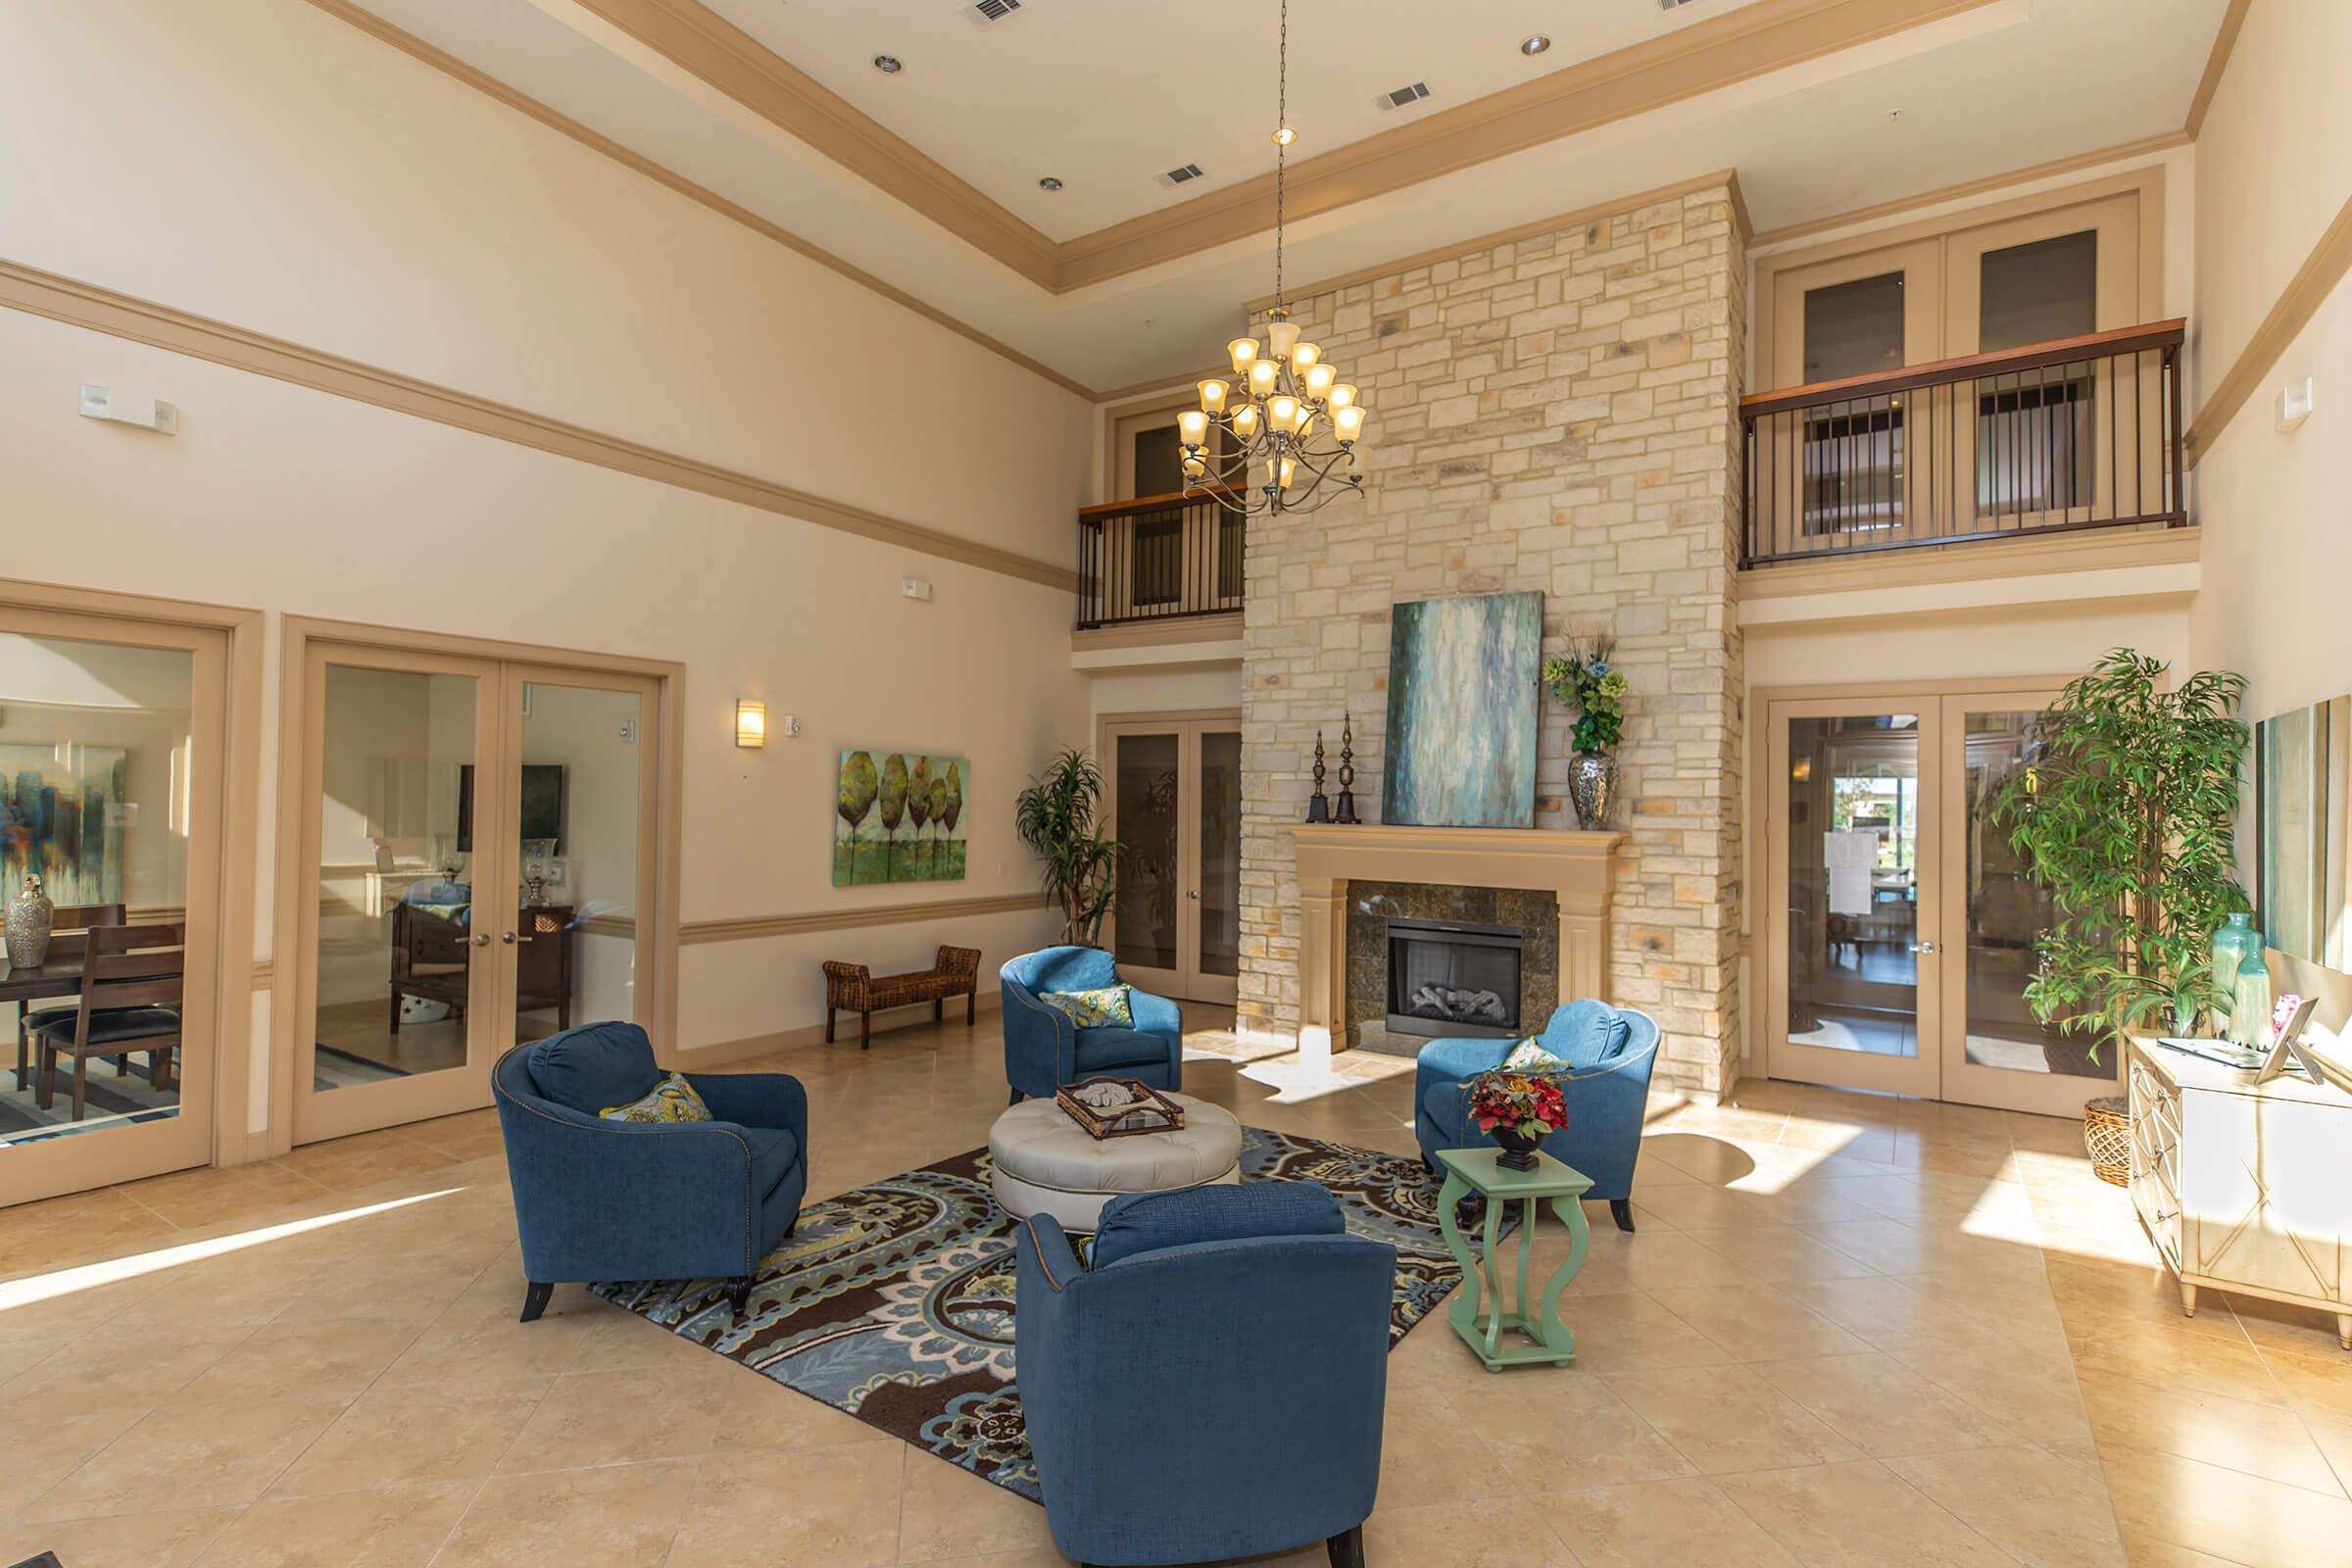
<point x="1149" y="1222"/>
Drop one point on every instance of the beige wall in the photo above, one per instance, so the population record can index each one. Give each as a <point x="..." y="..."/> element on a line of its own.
<point x="286" y="174"/>
<point x="261" y="162"/>
<point x="2274" y="169"/>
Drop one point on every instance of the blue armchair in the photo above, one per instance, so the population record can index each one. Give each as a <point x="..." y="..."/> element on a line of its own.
<point x="1215" y="1387"/>
<point x="598" y="1200"/>
<point x="1044" y="1049"/>
<point x="1609" y="1053"/>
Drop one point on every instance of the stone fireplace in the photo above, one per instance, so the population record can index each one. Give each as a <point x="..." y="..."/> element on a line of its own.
<point x="1427" y="962"/>
<point x="1547" y="890"/>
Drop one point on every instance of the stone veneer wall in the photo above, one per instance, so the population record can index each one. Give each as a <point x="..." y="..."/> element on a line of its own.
<point x="1558" y="412"/>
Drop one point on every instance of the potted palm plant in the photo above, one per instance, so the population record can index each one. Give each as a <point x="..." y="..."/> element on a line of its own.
<point x="1058" y="816"/>
<point x="2129" y="818"/>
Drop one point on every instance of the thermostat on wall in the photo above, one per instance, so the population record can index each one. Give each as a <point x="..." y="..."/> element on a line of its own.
<point x="915" y="587"/>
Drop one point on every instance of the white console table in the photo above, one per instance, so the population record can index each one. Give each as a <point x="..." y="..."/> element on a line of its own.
<point x="2244" y="1187"/>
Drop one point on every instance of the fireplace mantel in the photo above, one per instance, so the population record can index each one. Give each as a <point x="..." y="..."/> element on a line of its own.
<point x="1578" y="868"/>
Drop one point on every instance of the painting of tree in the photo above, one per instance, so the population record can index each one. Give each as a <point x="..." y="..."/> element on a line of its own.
<point x="878" y="794"/>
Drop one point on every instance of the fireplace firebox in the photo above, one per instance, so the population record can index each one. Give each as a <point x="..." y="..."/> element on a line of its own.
<point x="1448" y="978"/>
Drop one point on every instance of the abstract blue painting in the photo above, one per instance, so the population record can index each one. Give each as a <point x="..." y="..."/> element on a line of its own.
<point x="1462" y="694"/>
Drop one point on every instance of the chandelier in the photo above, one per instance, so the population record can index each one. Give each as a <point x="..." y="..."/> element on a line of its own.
<point x="1281" y="436"/>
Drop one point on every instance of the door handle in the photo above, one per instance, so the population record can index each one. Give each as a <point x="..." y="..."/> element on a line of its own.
<point x="481" y="939"/>
<point x="508" y="937"/>
<point x="1192" y="893"/>
<point x="1916" y="947"/>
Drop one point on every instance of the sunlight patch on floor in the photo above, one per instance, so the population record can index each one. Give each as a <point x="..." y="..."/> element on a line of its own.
<point x="89" y="1276"/>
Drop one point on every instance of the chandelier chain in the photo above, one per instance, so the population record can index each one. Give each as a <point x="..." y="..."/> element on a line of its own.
<point x="1282" y="123"/>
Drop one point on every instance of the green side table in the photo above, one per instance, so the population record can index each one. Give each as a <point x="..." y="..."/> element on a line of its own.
<point x="1469" y="1170"/>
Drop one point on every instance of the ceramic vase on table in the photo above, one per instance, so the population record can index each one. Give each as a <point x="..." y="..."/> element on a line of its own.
<point x="2237" y="941"/>
<point x="30" y="917"/>
<point x="1519" y="1147"/>
<point x="1592" y="787"/>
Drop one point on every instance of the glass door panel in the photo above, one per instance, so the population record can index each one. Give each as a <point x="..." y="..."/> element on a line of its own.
<point x="583" y="789"/>
<point x="401" y="994"/>
<point x="1852" y="825"/>
<point x="1175" y="801"/>
<point x="1146" y="804"/>
<point x="110" y="794"/>
<point x="1218" y="882"/>
<point x="1996" y="1052"/>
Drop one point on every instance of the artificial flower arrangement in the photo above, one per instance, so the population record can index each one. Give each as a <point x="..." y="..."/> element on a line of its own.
<point x="1588" y="683"/>
<point x="1520" y="1108"/>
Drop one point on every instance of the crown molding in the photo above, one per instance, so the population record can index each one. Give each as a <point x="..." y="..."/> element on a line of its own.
<point x="722" y="56"/>
<point x="1714" y="53"/>
<point x="125" y="316"/>
<point x="1690" y="62"/>
<point x="2225" y="39"/>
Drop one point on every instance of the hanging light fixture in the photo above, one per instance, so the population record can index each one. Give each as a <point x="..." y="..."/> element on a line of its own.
<point x="1282" y="435"/>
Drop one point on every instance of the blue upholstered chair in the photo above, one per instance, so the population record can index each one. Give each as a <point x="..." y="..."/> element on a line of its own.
<point x="1213" y="1387"/>
<point x="1044" y="1049"/>
<point x="1609" y="1051"/>
<point x="598" y="1200"/>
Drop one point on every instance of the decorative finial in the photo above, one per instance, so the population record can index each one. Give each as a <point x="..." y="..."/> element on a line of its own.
<point x="1347" y="807"/>
<point x="1318" y="805"/>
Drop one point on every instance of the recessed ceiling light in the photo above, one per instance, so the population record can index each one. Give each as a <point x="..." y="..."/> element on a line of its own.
<point x="888" y="64"/>
<point x="1534" y="43"/>
<point x="1049" y="183"/>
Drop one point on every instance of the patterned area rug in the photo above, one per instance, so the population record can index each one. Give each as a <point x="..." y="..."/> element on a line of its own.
<point x="894" y="1301"/>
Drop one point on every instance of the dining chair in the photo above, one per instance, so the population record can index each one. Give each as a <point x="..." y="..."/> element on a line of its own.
<point x="132" y="978"/>
<point x="67" y="923"/>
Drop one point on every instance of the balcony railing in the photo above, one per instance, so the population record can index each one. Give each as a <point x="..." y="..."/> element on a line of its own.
<point x="2081" y="432"/>
<point x="1161" y="558"/>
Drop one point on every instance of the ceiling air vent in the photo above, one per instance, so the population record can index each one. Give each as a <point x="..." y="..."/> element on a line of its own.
<point x="988" y="11"/>
<point x="1405" y="95"/>
<point x="1666" y="5"/>
<point x="1179" y="176"/>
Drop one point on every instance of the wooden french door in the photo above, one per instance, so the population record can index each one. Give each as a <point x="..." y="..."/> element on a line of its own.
<point x="1903" y="927"/>
<point x="1172" y="793"/>
<point x="113" y="743"/>
<point x="478" y="838"/>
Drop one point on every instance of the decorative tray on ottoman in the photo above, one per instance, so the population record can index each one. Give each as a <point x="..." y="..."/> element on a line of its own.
<point x="1118" y="1107"/>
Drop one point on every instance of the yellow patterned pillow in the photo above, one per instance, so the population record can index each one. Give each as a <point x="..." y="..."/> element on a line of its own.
<point x="671" y="1100"/>
<point x="1104" y="1008"/>
<point x="1529" y="1056"/>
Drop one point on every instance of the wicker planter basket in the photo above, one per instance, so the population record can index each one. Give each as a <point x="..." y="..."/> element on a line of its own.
<point x="2107" y="1134"/>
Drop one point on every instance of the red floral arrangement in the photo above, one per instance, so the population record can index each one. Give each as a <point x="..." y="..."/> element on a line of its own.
<point x="1512" y="1100"/>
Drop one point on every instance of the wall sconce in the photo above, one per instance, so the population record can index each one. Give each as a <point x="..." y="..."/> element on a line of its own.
<point x="750" y="722"/>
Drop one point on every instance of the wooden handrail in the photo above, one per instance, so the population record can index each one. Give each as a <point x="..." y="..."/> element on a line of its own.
<point x="1143" y="504"/>
<point x="1969" y="366"/>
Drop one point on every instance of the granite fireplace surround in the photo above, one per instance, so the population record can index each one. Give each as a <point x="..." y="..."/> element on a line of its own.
<point x="1371" y="905"/>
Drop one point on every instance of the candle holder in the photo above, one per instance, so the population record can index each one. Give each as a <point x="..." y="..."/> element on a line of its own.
<point x="1346" y="807"/>
<point x="1318" y="804"/>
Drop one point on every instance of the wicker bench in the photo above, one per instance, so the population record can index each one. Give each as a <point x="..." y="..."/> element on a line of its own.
<point x="849" y="987"/>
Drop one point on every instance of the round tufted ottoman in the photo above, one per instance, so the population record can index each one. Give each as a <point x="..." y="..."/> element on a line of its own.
<point x="1045" y="1163"/>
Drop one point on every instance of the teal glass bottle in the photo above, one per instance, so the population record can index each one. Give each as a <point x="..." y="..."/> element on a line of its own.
<point x="2241" y="964"/>
<point x="2236" y="938"/>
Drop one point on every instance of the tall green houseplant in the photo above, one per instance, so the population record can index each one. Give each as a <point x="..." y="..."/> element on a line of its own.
<point x="2128" y="817"/>
<point x="1057" y="817"/>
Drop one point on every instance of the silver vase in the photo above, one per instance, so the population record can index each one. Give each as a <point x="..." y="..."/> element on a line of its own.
<point x="30" y="916"/>
<point x="1592" y="787"/>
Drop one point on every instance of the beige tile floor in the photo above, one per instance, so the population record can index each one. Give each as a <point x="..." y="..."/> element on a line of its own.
<point x="1850" y="1331"/>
